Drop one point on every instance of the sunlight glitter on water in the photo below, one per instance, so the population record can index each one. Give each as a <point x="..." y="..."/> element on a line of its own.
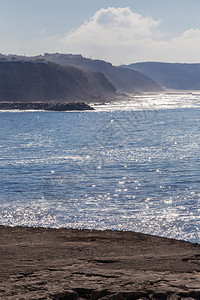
<point x="153" y="102"/>
<point x="119" y="168"/>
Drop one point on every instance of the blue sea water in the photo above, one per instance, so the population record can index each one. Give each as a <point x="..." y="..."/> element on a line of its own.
<point x="133" y="165"/>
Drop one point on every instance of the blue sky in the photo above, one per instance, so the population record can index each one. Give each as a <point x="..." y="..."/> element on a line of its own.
<point x="118" y="31"/>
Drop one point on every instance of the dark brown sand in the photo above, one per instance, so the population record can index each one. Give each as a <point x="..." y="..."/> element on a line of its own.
<point x="38" y="263"/>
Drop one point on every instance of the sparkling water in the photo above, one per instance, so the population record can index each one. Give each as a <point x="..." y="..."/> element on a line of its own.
<point x="131" y="165"/>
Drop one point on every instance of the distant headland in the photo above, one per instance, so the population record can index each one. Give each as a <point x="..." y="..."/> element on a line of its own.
<point x="177" y="76"/>
<point x="67" y="78"/>
<point x="36" y="81"/>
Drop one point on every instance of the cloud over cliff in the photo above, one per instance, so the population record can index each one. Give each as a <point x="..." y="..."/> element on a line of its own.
<point x="120" y="35"/>
<point x="113" y="25"/>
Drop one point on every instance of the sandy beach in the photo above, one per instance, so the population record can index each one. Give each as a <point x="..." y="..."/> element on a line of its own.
<point x="38" y="263"/>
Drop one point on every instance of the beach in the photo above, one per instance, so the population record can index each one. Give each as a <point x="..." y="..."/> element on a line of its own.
<point x="39" y="263"/>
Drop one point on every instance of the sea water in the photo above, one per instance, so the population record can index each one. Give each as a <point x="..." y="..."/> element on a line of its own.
<point x="129" y="165"/>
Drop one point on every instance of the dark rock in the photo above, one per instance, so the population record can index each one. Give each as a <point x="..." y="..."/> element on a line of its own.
<point x="66" y="295"/>
<point x="44" y="106"/>
<point x="59" y="264"/>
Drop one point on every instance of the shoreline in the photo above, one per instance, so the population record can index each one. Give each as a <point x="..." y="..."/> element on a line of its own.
<point x="40" y="263"/>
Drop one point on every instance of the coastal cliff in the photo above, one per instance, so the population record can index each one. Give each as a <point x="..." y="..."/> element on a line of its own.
<point x="178" y="76"/>
<point x="36" y="81"/>
<point x="124" y="80"/>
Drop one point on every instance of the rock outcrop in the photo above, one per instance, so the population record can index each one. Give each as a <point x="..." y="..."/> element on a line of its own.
<point x="45" y="106"/>
<point x="39" y="263"/>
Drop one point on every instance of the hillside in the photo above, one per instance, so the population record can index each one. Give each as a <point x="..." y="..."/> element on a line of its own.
<point x="29" y="81"/>
<point x="171" y="75"/>
<point x="125" y="81"/>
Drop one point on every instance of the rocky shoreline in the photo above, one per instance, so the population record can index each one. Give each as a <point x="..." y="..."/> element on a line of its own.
<point x="51" y="106"/>
<point x="39" y="263"/>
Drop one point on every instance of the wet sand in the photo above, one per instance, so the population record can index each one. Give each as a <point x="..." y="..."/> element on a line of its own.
<point x="38" y="263"/>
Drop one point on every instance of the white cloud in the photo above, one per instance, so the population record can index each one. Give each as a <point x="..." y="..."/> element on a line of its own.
<point x="113" y="25"/>
<point x="120" y="35"/>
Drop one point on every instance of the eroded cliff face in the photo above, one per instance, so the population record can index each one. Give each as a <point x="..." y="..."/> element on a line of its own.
<point x="125" y="80"/>
<point x="28" y="81"/>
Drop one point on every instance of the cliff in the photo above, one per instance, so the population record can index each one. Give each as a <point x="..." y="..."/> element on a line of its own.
<point x="171" y="75"/>
<point x="35" y="81"/>
<point x="125" y="81"/>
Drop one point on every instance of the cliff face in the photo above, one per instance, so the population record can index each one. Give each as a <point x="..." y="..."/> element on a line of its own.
<point x="125" y="80"/>
<point x="171" y="75"/>
<point x="28" y="81"/>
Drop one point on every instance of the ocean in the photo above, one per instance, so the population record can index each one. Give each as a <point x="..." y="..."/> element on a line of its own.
<point x="129" y="165"/>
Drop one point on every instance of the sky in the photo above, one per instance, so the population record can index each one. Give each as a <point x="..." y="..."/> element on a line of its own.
<point x="118" y="31"/>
